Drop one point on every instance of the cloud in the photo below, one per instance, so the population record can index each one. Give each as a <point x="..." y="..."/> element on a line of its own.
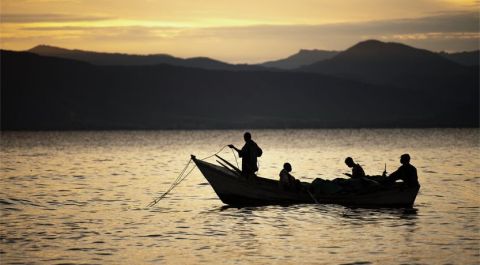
<point x="437" y="36"/>
<point x="445" y="22"/>
<point x="446" y="31"/>
<point x="450" y="22"/>
<point x="457" y="22"/>
<point x="35" y="18"/>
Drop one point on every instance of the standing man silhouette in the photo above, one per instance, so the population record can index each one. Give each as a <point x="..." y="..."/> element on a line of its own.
<point x="249" y="153"/>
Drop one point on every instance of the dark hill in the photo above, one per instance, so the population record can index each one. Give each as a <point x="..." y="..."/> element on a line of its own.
<point x="100" y="58"/>
<point x="46" y="93"/>
<point x="303" y="57"/>
<point x="470" y="58"/>
<point x="390" y="63"/>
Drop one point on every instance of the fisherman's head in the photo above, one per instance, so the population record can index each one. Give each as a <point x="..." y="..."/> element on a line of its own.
<point x="405" y="159"/>
<point x="287" y="167"/>
<point x="247" y="136"/>
<point x="349" y="162"/>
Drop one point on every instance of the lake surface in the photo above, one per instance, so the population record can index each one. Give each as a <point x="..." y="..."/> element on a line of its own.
<point x="80" y="198"/>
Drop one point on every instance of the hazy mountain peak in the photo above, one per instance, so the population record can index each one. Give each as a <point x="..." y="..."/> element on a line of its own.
<point x="203" y="58"/>
<point x="50" y="50"/>
<point x="376" y="47"/>
<point x="309" y="51"/>
<point x="385" y="63"/>
<point x="43" y="48"/>
<point x="371" y="42"/>
<point x="301" y="58"/>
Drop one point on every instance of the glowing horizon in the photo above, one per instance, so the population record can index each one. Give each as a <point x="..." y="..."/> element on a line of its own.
<point x="236" y="32"/>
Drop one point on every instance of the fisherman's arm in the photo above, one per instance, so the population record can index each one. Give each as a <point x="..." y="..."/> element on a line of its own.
<point x="240" y="151"/>
<point x="395" y="175"/>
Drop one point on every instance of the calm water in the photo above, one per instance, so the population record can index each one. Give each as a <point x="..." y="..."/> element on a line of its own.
<point x="80" y="197"/>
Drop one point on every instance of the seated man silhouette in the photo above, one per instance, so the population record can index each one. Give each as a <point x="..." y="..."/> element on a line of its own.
<point x="287" y="181"/>
<point x="405" y="172"/>
<point x="357" y="170"/>
<point x="249" y="153"/>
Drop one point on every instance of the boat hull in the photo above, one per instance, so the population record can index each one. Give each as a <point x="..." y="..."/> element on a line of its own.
<point x="235" y="190"/>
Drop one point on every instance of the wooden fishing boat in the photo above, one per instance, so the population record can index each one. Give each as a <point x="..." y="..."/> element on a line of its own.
<point x="234" y="189"/>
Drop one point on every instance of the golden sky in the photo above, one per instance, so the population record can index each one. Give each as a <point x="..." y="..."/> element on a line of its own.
<point x="236" y="31"/>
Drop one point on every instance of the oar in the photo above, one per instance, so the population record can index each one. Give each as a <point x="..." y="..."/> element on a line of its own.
<point x="229" y="169"/>
<point x="228" y="163"/>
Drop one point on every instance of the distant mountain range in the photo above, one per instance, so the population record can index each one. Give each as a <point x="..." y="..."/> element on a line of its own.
<point x="302" y="58"/>
<point x="371" y="84"/>
<point x="100" y="58"/>
<point x="392" y="64"/>
<point x="307" y="57"/>
<point x="471" y="58"/>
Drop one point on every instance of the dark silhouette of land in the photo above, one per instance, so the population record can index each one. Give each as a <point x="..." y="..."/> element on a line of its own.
<point x="471" y="58"/>
<point x="101" y="58"/>
<point x="307" y="57"/>
<point x="393" y="64"/>
<point x="369" y="85"/>
<point x="302" y="58"/>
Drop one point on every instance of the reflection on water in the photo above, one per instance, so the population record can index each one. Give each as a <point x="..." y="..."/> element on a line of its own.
<point x="80" y="197"/>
